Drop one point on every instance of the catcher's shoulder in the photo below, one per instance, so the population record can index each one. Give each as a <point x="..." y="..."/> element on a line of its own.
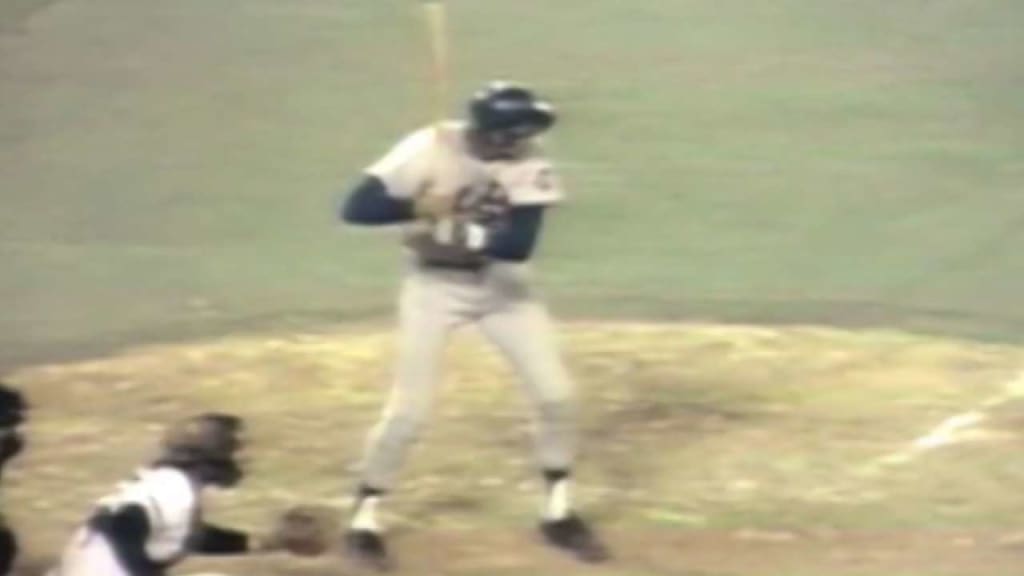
<point x="167" y="480"/>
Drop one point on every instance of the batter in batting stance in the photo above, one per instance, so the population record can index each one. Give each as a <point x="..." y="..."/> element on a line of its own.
<point x="472" y="196"/>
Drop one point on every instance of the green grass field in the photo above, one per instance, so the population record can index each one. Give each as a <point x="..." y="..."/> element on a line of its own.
<point x="173" y="169"/>
<point x="818" y="202"/>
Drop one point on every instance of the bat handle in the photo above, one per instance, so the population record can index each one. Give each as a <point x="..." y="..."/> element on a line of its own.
<point x="437" y="26"/>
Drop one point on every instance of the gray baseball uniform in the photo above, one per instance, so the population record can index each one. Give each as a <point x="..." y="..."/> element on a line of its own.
<point x="437" y="297"/>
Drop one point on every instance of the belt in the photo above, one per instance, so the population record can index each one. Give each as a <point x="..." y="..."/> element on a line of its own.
<point x="453" y="265"/>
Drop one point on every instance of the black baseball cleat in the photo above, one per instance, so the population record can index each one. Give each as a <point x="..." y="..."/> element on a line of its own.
<point x="571" y="534"/>
<point x="368" y="549"/>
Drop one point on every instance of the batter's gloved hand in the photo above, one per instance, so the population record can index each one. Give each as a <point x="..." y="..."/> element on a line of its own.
<point x="461" y="233"/>
<point x="302" y="530"/>
<point x="482" y="204"/>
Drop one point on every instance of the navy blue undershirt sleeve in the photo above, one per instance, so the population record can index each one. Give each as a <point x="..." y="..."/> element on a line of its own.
<point x="127" y="529"/>
<point x="516" y="240"/>
<point x="369" y="204"/>
<point x="217" y="540"/>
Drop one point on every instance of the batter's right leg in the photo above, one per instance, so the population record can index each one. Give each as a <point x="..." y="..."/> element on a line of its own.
<point x="425" y="319"/>
<point x="424" y="323"/>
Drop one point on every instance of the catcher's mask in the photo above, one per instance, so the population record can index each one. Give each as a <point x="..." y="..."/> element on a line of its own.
<point x="13" y="411"/>
<point x="207" y="446"/>
<point x="505" y="116"/>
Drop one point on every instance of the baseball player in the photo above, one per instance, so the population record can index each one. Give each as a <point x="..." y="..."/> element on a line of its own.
<point x="13" y="410"/>
<point x="471" y="196"/>
<point x="154" y="520"/>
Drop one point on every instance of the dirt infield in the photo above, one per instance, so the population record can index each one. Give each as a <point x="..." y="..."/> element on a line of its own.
<point x="710" y="449"/>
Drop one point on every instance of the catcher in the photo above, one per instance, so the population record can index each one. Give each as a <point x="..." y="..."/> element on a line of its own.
<point x="471" y="197"/>
<point x="155" y="520"/>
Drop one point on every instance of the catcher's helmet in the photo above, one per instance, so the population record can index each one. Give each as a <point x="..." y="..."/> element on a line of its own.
<point x="505" y="107"/>
<point x="206" y="444"/>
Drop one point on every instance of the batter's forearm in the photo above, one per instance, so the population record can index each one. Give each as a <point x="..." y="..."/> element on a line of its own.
<point x="370" y="204"/>
<point x="516" y="240"/>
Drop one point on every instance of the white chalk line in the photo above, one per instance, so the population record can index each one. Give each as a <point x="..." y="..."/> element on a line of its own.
<point x="953" y="430"/>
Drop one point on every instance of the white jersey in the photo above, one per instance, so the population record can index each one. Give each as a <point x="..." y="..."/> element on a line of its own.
<point x="437" y="160"/>
<point x="172" y="506"/>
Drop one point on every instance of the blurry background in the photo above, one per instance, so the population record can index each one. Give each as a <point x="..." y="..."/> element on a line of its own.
<point x="172" y="169"/>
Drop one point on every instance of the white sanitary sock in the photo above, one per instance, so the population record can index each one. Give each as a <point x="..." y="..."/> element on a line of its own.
<point x="365" y="517"/>
<point x="558" y="505"/>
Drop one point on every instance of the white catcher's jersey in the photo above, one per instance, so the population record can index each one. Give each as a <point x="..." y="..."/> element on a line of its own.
<point x="437" y="160"/>
<point x="171" y="503"/>
<point x="172" y="506"/>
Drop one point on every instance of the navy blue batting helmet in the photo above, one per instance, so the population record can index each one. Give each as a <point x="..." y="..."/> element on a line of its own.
<point x="501" y="106"/>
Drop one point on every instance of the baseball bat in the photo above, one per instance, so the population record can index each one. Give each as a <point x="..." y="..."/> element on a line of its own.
<point x="436" y="15"/>
<point x="436" y="18"/>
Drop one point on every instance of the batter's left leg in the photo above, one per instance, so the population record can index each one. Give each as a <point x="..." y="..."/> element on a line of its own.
<point x="523" y="332"/>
